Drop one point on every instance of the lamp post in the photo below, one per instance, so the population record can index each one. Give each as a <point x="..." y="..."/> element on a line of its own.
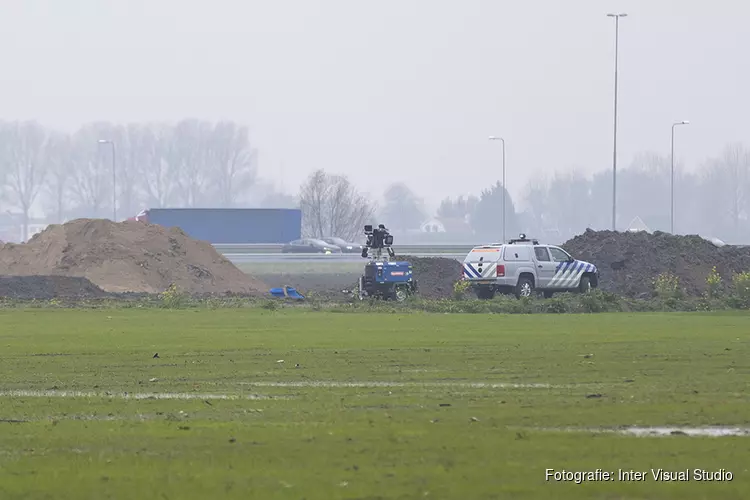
<point x="614" y="147"/>
<point x="671" y="198"/>
<point x="114" y="179"/>
<point x="493" y="138"/>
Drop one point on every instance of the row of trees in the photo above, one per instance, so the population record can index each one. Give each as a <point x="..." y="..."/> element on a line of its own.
<point x="332" y="206"/>
<point x="714" y="201"/>
<point x="195" y="163"/>
<point x="189" y="164"/>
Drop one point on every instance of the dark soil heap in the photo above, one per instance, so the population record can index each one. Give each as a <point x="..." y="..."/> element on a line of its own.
<point x="435" y="275"/>
<point x="49" y="287"/>
<point x="629" y="262"/>
<point x="127" y="257"/>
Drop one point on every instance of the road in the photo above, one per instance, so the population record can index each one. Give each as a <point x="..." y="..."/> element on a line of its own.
<point x="271" y="254"/>
<point x="275" y="258"/>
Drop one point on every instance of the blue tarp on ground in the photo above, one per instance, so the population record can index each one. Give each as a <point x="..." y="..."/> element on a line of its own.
<point x="286" y="292"/>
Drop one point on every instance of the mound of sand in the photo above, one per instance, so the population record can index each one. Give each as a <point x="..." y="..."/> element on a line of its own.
<point x="127" y="257"/>
<point x="629" y="262"/>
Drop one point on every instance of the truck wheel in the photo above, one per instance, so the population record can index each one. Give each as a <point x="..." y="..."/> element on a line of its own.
<point x="400" y="293"/>
<point x="585" y="285"/>
<point x="485" y="293"/>
<point x="524" y="288"/>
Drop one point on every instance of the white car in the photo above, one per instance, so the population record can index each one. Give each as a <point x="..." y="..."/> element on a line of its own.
<point x="522" y="266"/>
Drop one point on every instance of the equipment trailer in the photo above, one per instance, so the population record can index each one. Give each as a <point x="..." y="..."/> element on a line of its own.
<point x="382" y="278"/>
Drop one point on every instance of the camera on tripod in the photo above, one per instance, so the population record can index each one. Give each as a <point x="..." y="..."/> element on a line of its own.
<point x="378" y="239"/>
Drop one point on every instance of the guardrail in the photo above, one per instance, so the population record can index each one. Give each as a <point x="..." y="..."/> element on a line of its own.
<point x="335" y="258"/>
<point x="263" y="248"/>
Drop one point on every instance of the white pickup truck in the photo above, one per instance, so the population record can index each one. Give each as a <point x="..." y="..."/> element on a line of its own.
<point x="522" y="266"/>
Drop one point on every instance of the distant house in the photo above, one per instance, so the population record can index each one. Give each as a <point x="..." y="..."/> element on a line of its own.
<point x="637" y="225"/>
<point x="432" y="226"/>
<point x="458" y="226"/>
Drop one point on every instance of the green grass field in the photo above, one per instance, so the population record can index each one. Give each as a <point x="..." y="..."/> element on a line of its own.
<point x="380" y="406"/>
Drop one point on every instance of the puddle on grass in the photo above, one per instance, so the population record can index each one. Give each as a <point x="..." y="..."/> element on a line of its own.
<point x="465" y="385"/>
<point x="717" y="431"/>
<point x="129" y="395"/>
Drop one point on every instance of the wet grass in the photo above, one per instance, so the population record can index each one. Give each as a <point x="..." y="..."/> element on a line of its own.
<point x="293" y="404"/>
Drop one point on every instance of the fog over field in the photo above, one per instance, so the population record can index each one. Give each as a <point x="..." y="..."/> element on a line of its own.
<point x="240" y="102"/>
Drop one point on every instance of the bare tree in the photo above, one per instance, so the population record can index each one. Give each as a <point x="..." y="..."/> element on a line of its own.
<point x="188" y="158"/>
<point x="735" y="164"/>
<point x="59" y="175"/>
<point x="4" y="147"/>
<point x="157" y="174"/>
<point x="331" y="206"/>
<point x="727" y="182"/>
<point x="231" y="162"/>
<point x="130" y="156"/>
<point x="92" y="177"/>
<point x="644" y="192"/>
<point x="26" y="165"/>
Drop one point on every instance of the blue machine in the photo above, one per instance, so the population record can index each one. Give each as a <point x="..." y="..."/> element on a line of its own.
<point x="385" y="279"/>
<point x="286" y="292"/>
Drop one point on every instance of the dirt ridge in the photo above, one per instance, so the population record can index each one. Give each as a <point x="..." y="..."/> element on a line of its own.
<point x="126" y="257"/>
<point x="628" y="262"/>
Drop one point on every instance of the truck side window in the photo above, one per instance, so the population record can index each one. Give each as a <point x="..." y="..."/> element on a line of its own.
<point x="558" y="255"/>
<point x="541" y="254"/>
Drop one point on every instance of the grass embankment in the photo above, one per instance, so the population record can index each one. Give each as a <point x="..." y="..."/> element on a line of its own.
<point x="317" y="438"/>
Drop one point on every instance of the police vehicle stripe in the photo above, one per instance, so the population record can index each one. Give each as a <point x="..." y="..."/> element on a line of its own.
<point x="568" y="274"/>
<point x="472" y="273"/>
<point x="561" y="268"/>
<point x="565" y="274"/>
<point x="475" y="271"/>
<point x="579" y="273"/>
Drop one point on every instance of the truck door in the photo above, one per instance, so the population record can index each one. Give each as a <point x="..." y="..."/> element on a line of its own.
<point x="568" y="270"/>
<point x="545" y="268"/>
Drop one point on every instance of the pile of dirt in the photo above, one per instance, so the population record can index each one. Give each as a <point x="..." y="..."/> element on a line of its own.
<point x="435" y="275"/>
<point x="629" y="262"/>
<point x="49" y="287"/>
<point x="127" y="257"/>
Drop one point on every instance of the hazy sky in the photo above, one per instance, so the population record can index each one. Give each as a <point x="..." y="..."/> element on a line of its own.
<point x="393" y="90"/>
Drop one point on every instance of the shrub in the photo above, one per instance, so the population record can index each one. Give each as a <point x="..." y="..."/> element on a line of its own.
<point x="460" y="289"/>
<point x="598" y="301"/>
<point x="270" y="304"/>
<point x="741" y="282"/>
<point x="713" y="283"/>
<point x="557" y="305"/>
<point x="173" y="298"/>
<point x="667" y="286"/>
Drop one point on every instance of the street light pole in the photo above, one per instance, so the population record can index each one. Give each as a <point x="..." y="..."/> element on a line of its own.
<point x="114" y="179"/>
<point x="493" y="138"/>
<point x="671" y="187"/>
<point x="614" y="147"/>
